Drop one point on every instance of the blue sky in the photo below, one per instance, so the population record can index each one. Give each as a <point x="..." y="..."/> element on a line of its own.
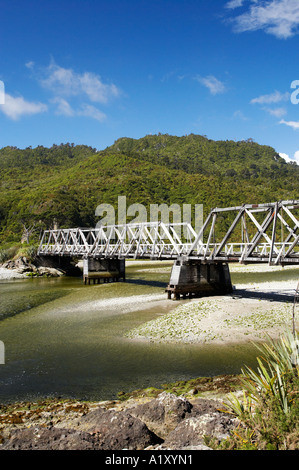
<point x="91" y="71"/>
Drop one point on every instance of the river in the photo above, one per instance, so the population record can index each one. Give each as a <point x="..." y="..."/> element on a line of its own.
<point x="65" y="339"/>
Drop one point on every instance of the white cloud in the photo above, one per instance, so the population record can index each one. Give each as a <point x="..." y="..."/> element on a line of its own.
<point x="239" y="115"/>
<point x="212" y="83"/>
<point x="272" y="98"/>
<point x="293" y="124"/>
<point x="88" y="110"/>
<point x="234" y="4"/>
<point x="66" y="82"/>
<point x="277" y="112"/>
<point x="277" y="17"/>
<point x="288" y="159"/>
<point x="14" y="108"/>
<point x="75" y="93"/>
<point x="29" y="65"/>
<point x="275" y="97"/>
<point x="63" y="107"/>
<point x="95" y="89"/>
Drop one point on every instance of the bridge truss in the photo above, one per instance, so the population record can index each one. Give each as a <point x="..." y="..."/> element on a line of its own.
<point x="253" y="233"/>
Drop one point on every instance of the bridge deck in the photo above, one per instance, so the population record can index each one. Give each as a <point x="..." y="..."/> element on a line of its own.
<point x="272" y="238"/>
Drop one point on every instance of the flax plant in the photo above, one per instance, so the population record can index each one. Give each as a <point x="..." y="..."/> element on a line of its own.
<point x="278" y="365"/>
<point x="270" y="396"/>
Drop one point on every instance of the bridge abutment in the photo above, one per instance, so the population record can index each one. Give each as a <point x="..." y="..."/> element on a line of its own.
<point x="103" y="270"/>
<point x="64" y="263"/>
<point x="195" y="278"/>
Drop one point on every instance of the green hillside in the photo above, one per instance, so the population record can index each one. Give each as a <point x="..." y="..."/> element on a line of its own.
<point x="197" y="154"/>
<point x="65" y="183"/>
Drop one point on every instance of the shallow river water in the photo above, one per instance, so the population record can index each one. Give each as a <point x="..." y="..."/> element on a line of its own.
<point x="65" y="339"/>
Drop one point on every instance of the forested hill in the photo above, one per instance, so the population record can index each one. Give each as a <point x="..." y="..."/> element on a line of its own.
<point x="65" y="183"/>
<point x="198" y="154"/>
<point x="64" y="155"/>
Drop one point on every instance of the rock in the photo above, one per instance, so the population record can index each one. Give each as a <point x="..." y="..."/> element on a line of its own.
<point x="163" y="447"/>
<point x="191" y="432"/>
<point x="183" y="425"/>
<point x="22" y="266"/>
<point x="167" y="422"/>
<point x="117" y="430"/>
<point x="98" y="430"/>
<point x="203" y="406"/>
<point x="10" y="274"/>
<point x="53" y="272"/>
<point x="38" y="438"/>
<point x="164" y="413"/>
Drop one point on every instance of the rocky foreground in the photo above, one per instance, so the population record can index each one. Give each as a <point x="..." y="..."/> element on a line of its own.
<point x="148" y="419"/>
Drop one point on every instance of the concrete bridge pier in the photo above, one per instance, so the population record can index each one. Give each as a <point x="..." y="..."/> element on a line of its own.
<point x="103" y="270"/>
<point x="196" y="278"/>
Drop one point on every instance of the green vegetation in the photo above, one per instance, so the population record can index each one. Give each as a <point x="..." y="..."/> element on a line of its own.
<point x="184" y="323"/>
<point x="64" y="184"/>
<point x="197" y="154"/>
<point x="219" y="385"/>
<point x="16" y="251"/>
<point x="269" y="412"/>
<point x="206" y="321"/>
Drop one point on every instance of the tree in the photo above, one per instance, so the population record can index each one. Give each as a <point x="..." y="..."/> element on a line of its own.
<point x="27" y="232"/>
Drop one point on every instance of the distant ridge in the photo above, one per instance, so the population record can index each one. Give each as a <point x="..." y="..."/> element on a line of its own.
<point x="65" y="183"/>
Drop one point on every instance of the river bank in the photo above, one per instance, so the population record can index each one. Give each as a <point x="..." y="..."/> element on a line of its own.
<point x="252" y="312"/>
<point x="22" y="268"/>
<point x="135" y="420"/>
<point x="7" y="274"/>
<point x="178" y="416"/>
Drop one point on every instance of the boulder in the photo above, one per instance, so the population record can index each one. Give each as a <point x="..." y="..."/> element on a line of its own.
<point x="52" y="272"/>
<point x="20" y="265"/>
<point x="117" y="430"/>
<point x="164" y="413"/>
<point x="167" y="422"/>
<point x="192" y="431"/>
<point x="51" y="438"/>
<point x="203" y="406"/>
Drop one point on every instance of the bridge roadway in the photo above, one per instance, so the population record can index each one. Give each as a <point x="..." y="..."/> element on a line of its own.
<point x="273" y="240"/>
<point x="265" y="233"/>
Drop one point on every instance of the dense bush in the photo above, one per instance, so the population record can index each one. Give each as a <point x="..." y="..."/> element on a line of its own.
<point x="7" y="253"/>
<point x="64" y="184"/>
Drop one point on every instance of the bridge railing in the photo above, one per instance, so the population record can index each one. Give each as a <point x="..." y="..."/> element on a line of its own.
<point x="269" y="232"/>
<point x="262" y="240"/>
<point x="230" y="252"/>
<point x="130" y="240"/>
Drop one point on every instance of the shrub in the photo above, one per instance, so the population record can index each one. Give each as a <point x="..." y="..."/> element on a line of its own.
<point x="31" y="252"/>
<point x="269" y="411"/>
<point x="7" y="253"/>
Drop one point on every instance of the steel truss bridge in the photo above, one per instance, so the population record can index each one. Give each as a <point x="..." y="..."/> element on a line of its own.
<point x="256" y="233"/>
